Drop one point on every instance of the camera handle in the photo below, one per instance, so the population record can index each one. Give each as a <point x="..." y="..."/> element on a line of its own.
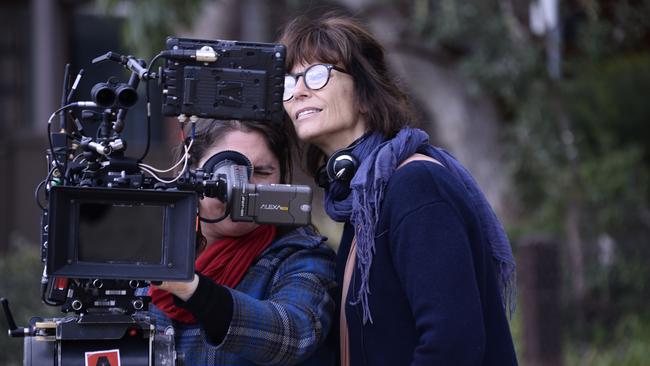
<point x="13" y="331"/>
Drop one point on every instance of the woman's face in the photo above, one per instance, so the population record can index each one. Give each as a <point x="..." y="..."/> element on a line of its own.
<point x="266" y="170"/>
<point x="329" y="117"/>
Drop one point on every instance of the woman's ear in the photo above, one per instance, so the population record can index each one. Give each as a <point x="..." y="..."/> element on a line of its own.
<point x="363" y="108"/>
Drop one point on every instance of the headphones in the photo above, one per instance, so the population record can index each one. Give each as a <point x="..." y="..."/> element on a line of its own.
<point x="341" y="165"/>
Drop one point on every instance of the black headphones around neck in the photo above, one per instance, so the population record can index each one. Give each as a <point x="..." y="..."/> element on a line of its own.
<point x="341" y="165"/>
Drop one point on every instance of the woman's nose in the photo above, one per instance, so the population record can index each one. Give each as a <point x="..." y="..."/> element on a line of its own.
<point x="301" y="88"/>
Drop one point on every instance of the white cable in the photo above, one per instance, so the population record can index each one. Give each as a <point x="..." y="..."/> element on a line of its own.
<point x="162" y="180"/>
<point x="75" y="104"/>
<point x="183" y="158"/>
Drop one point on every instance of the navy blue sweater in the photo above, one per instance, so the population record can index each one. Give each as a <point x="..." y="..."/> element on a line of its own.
<point x="434" y="297"/>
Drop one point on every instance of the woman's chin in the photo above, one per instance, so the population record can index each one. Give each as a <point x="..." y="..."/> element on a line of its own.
<point x="307" y="131"/>
<point x="227" y="229"/>
<point x="312" y="137"/>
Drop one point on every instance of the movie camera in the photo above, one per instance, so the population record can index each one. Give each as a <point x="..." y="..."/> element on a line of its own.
<point x="94" y="189"/>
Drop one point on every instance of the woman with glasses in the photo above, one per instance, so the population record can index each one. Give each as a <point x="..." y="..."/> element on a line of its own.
<point x="425" y="270"/>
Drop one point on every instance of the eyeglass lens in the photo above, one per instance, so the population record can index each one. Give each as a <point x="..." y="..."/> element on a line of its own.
<point x="316" y="77"/>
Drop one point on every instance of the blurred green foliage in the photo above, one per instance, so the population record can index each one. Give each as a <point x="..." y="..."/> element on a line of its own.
<point x="631" y="348"/>
<point x="581" y="140"/>
<point x="149" y="22"/>
<point x="20" y="277"/>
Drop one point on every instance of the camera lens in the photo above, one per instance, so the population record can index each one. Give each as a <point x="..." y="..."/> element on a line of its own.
<point x="103" y="94"/>
<point x="126" y="96"/>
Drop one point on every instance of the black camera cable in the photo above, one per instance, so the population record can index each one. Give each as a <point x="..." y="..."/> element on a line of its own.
<point x="218" y="219"/>
<point x="49" y="127"/>
<point x="40" y="185"/>
<point x="148" y="76"/>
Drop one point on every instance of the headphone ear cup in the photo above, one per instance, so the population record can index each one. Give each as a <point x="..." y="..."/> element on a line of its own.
<point x="342" y="166"/>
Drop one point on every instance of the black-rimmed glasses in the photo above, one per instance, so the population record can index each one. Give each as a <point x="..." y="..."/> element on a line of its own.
<point x="316" y="77"/>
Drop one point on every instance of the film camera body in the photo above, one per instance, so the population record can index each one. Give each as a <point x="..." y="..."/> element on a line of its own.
<point x="93" y="187"/>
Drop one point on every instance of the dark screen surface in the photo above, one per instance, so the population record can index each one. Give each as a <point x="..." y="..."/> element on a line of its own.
<point x="113" y="233"/>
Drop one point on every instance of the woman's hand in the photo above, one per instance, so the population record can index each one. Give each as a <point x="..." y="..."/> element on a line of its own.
<point x="183" y="290"/>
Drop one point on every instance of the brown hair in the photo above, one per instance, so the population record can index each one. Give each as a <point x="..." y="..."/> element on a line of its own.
<point x="342" y="40"/>
<point x="281" y="140"/>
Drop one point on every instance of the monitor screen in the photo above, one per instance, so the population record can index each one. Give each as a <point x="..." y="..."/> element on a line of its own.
<point x="114" y="233"/>
<point x="120" y="233"/>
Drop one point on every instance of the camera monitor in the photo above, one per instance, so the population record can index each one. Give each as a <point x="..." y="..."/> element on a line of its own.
<point x="114" y="233"/>
<point x="223" y="79"/>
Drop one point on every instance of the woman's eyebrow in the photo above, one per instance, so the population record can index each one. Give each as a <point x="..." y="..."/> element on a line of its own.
<point x="264" y="167"/>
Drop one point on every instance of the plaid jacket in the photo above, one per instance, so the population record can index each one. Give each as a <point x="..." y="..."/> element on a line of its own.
<point x="282" y="310"/>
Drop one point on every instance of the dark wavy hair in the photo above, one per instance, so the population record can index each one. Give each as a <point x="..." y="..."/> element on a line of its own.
<point x="281" y="140"/>
<point x="342" y="40"/>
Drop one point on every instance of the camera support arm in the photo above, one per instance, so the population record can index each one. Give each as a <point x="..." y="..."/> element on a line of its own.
<point x="130" y="62"/>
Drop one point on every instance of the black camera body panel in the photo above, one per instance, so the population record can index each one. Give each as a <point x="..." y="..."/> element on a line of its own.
<point x="74" y="341"/>
<point x="272" y="203"/>
<point x="77" y="216"/>
<point x="244" y="81"/>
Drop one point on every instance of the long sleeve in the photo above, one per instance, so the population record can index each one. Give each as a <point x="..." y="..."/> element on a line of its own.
<point x="435" y="254"/>
<point x="287" y="325"/>
<point x="435" y="265"/>
<point x="211" y="304"/>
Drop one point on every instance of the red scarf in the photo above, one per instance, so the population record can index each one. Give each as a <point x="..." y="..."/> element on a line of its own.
<point x="226" y="262"/>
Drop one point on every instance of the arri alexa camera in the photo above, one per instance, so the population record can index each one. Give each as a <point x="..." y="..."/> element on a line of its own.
<point x="93" y="189"/>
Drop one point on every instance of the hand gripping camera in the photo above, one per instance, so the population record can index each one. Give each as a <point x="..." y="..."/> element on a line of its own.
<point x="94" y="189"/>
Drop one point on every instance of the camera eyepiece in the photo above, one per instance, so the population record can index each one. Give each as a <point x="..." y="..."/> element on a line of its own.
<point x="232" y="167"/>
